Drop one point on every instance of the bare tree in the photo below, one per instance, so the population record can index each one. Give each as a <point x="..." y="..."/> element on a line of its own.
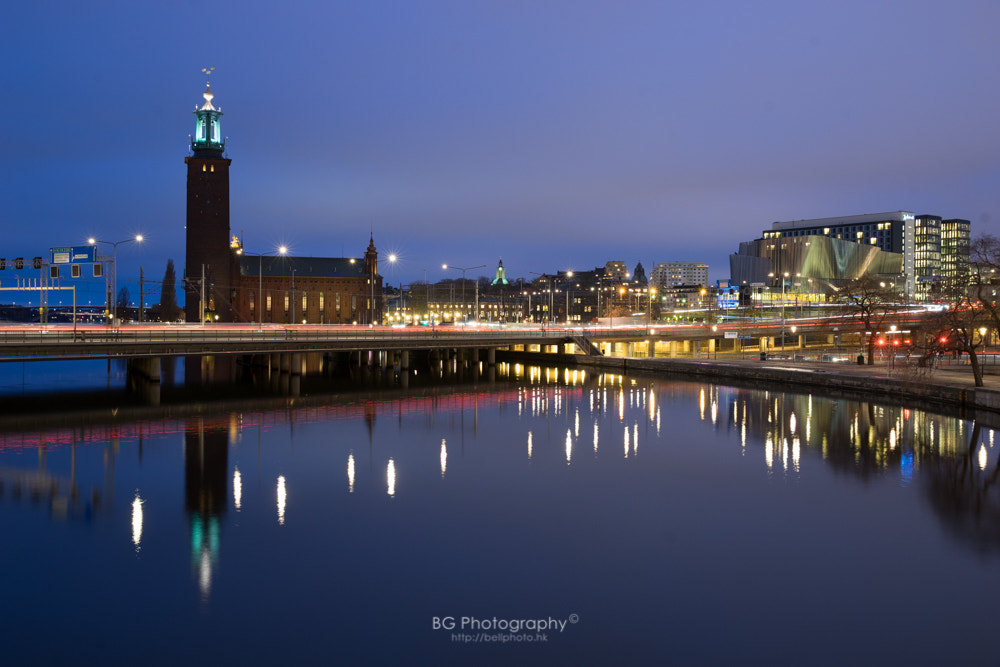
<point x="962" y="326"/>
<point x="984" y="276"/>
<point x="871" y="302"/>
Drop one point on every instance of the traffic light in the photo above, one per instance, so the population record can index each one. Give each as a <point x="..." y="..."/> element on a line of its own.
<point x="36" y="263"/>
<point x="53" y="271"/>
<point x="98" y="270"/>
<point x="3" y="263"/>
<point x="19" y="263"/>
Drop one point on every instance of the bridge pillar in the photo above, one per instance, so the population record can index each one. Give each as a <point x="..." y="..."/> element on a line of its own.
<point x="651" y="348"/>
<point x="672" y="346"/>
<point x="404" y="359"/>
<point x="711" y="345"/>
<point x="295" y="366"/>
<point x="285" y="362"/>
<point x="491" y="356"/>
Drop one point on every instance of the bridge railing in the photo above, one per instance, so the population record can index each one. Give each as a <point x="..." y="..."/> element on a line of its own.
<point x="63" y="335"/>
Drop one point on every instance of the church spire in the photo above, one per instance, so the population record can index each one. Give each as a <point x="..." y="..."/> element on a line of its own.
<point x="207" y="140"/>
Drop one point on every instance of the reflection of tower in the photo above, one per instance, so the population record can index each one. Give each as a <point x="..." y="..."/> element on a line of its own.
<point x="205" y="462"/>
<point x="208" y="249"/>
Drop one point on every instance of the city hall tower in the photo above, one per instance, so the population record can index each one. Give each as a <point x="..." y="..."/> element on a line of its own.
<point x="208" y="262"/>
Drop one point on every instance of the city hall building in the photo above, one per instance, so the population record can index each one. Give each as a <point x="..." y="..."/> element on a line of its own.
<point x="224" y="283"/>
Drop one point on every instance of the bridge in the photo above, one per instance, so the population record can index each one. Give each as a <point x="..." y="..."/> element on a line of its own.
<point x="69" y="342"/>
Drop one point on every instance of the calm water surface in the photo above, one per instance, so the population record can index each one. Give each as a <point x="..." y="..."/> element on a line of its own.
<point x="563" y="516"/>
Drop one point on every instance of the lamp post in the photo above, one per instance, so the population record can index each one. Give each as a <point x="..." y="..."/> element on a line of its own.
<point x="291" y="316"/>
<point x="281" y="250"/>
<point x="569" y="274"/>
<point x="114" y="245"/>
<point x="784" y="279"/>
<point x="463" y="270"/>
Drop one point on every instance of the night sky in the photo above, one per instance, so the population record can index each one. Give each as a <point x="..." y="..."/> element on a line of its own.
<point x="556" y="135"/>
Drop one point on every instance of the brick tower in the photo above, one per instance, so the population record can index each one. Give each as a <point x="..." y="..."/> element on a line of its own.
<point x="208" y="250"/>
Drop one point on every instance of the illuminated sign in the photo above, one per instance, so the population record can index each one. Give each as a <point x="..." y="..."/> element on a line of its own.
<point x="75" y="255"/>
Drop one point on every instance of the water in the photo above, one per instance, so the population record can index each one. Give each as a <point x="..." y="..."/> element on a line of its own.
<point x="620" y="520"/>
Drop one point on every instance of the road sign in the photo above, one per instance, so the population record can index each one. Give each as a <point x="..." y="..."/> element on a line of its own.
<point x="73" y="255"/>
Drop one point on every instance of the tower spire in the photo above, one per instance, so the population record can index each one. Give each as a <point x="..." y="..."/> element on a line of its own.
<point x="207" y="140"/>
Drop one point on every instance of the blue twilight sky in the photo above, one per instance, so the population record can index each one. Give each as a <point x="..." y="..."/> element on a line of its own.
<point x="553" y="134"/>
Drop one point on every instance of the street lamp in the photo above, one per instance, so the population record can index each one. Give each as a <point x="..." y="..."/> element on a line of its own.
<point x="463" y="270"/>
<point x="281" y="250"/>
<point x="114" y="245"/>
<point x="569" y="274"/>
<point x="392" y="260"/>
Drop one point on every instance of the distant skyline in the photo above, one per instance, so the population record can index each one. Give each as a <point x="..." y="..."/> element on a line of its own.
<point x="554" y="134"/>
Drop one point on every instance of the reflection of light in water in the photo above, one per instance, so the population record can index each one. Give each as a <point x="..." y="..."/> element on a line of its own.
<point x="791" y="422"/>
<point x="906" y="468"/>
<point x="743" y="437"/>
<point x="652" y="406"/>
<point x="626" y="442"/>
<point x="784" y="453"/>
<point x="621" y="404"/>
<point x="982" y="456"/>
<point x="715" y="411"/>
<point x="769" y="451"/>
<point x="281" y="500"/>
<point x="205" y="574"/>
<point x="569" y="445"/>
<point x="237" y="489"/>
<point x="635" y="439"/>
<point x="390" y="478"/>
<point x="596" y="430"/>
<point x="444" y="456"/>
<point x="576" y="424"/>
<point x="701" y="403"/>
<point x="136" y="521"/>
<point x="796" y="447"/>
<point x="892" y="439"/>
<point x="350" y="473"/>
<point x="529" y="444"/>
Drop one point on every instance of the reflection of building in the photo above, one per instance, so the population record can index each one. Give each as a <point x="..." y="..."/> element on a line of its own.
<point x="225" y="284"/>
<point x="828" y="250"/>
<point x="205" y="483"/>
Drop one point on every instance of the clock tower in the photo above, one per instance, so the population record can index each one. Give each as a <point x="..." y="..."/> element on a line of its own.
<point x="208" y="265"/>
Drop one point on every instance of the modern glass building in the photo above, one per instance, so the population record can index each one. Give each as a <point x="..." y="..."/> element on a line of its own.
<point x="924" y="248"/>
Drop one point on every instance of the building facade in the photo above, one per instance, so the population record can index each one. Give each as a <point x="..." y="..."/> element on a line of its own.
<point x="667" y="274"/>
<point x="829" y="250"/>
